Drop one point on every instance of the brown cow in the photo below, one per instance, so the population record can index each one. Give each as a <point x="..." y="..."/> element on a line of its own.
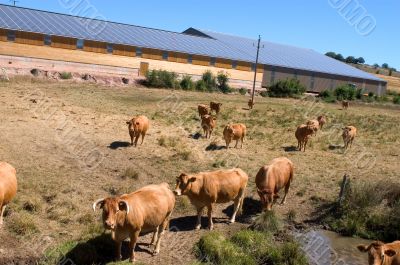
<point x="215" y="106"/>
<point x="8" y="187"/>
<point x="145" y="210"/>
<point x="207" y="188"/>
<point x="271" y="178"/>
<point x="321" y="120"/>
<point x="250" y="104"/>
<point x="382" y="254"/>
<point x="349" y="133"/>
<point x="234" y="132"/>
<point x="137" y="127"/>
<point x="303" y="134"/>
<point x="208" y="124"/>
<point x="345" y="104"/>
<point x="314" y="124"/>
<point x="203" y="110"/>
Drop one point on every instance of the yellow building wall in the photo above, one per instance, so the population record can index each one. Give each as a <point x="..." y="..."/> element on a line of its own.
<point x="3" y="35"/>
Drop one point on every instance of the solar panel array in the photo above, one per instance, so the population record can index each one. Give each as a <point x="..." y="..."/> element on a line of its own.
<point x="219" y="46"/>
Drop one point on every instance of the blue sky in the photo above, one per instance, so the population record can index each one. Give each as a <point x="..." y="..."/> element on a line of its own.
<point x="314" y="24"/>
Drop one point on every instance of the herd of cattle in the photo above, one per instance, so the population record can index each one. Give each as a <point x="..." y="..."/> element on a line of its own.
<point x="148" y="209"/>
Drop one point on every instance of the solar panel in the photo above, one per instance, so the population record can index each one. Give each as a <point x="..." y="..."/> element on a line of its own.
<point x="217" y="45"/>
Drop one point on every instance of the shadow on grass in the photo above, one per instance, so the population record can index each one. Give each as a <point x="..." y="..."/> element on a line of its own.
<point x="195" y="136"/>
<point x="290" y="148"/>
<point x="215" y="147"/>
<point x="118" y="144"/>
<point x="335" y="147"/>
<point x="188" y="223"/>
<point x="251" y="207"/>
<point x="99" y="250"/>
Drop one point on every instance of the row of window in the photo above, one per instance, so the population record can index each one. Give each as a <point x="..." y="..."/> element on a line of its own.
<point x="80" y="43"/>
<point x="295" y="75"/>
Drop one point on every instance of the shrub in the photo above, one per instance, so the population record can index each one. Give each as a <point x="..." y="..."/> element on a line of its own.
<point x="345" y="92"/>
<point x="187" y="83"/>
<point x="222" y="81"/>
<point x="242" y="91"/>
<point x="201" y="85"/>
<point x="327" y="96"/>
<point x="161" y="79"/>
<point x="209" y="81"/>
<point x="396" y="99"/>
<point x="268" y="222"/>
<point x="264" y="93"/>
<point x="22" y="224"/>
<point x="286" y="88"/>
<point x="65" y="75"/>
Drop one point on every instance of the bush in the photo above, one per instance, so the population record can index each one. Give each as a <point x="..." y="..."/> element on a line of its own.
<point x="367" y="213"/>
<point x="161" y="79"/>
<point x="264" y="94"/>
<point x="345" y="92"/>
<point x="201" y="85"/>
<point x="187" y="83"/>
<point x="396" y="99"/>
<point x="222" y="79"/>
<point x="286" y="88"/>
<point x="327" y="96"/>
<point x="209" y="81"/>
<point x="242" y="91"/>
<point x="65" y="75"/>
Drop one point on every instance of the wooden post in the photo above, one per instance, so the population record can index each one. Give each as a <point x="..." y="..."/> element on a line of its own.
<point x="343" y="188"/>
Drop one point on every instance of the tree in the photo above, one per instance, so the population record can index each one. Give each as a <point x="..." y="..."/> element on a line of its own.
<point x="339" y="57"/>
<point x="351" y="59"/>
<point x="376" y="65"/>
<point x="361" y="60"/>
<point x="385" y="66"/>
<point x="331" y="54"/>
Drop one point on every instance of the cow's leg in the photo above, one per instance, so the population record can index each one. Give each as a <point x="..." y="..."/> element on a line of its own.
<point x="2" y="209"/>
<point x="236" y="206"/>
<point x="143" y="134"/>
<point x="287" y="188"/>
<point x="155" y="238"/>
<point x="241" y="143"/>
<point x="351" y="142"/>
<point x="209" y="213"/>
<point x="137" y="139"/>
<point x="237" y="141"/>
<point x="305" y="144"/>
<point x="132" y="136"/>
<point x="161" y="230"/>
<point x="118" y="255"/>
<point x="132" y="244"/>
<point x="199" y="213"/>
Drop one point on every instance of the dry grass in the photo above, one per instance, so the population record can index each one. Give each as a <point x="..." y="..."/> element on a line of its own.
<point x="56" y="191"/>
<point x="393" y="82"/>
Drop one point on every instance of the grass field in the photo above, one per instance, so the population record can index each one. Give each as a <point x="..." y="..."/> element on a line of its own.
<point x="69" y="143"/>
<point x="393" y="82"/>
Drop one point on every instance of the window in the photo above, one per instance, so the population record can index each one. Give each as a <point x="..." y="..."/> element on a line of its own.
<point x="253" y="67"/>
<point x="47" y="40"/>
<point x="213" y="61"/>
<point x="272" y="76"/>
<point x="234" y="64"/>
<point x="80" y="43"/>
<point x="312" y="82"/>
<point x="110" y="48"/>
<point x="139" y="52"/>
<point x="11" y="35"/>
<point x="190" y="58"/>
<point x="165" y="56"/>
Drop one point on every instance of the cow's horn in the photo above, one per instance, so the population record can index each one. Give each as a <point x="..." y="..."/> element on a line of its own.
<point x="97" y="202"/>
<point x="127" y="206"/>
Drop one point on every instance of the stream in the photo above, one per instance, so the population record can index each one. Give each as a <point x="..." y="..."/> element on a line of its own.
<point x="329" y="248"/>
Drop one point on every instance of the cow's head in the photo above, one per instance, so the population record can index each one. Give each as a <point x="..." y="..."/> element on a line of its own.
<point x="378" y="253"/>
<point x="112" y="209"/>
<point x="182" y="184"/>
<point x="267" y="197"/>
<point x="133" y="124"/>
<point x="230" y="130"/>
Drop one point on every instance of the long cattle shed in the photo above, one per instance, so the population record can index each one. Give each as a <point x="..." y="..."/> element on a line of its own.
<point x="29" y="33"/>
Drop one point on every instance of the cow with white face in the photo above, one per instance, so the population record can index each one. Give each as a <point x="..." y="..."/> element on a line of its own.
<point x="143" y="211"/>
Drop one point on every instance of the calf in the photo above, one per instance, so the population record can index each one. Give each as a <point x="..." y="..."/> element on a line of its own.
<point x="303" y="134"/>
<point x="314" y="124"/>
<point x="349" y="133"/>
<point x="208" y="124"/>
<point x="345" y="104"/>
<point x="137" y="127"/>
<point x="8" y="187"/>
<point x="215" y="106"/>
<point x="382" y="254"/>
<point x="203" y="110"/>
<point x="321" y="120"/>
<point x="208" y="188"/>
<point x="145" y="210"/>
<point x="234" y="132"/>
<point x="271" y="178"/>
<point x="250" y="104"/>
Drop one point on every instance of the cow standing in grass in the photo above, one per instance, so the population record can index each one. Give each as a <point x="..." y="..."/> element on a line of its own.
<point x="138" y="126"/>
<point x="234" y="132"/>
<point x="345" y="104"/>
<point x="321" y="120"/>
<point x="208" y="124"/>
<point x="250" y="104"/>
<point x="215" y="106"/>
<point x="203" y="110"/>
<point x="382" y="254"/>
<point x="8" y="187"/>
<point x="303" y="135"/>
<point x="145" y="210"/>
<point x="348" y="135"/>
<point x="271" y="178"/>
<point x="314" y="124"/>
<point x="205" y="189"/>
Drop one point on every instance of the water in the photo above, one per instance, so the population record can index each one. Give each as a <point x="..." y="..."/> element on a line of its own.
<point x="328" y="248"/>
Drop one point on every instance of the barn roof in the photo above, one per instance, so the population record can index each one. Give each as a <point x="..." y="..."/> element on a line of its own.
<point x="191" y="41"/>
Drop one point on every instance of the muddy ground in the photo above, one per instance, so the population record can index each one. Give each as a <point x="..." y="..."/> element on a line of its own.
<point x="70" y="144"/>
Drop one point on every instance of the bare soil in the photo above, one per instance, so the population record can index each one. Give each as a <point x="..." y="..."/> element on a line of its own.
<point x="70" y="145"/>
